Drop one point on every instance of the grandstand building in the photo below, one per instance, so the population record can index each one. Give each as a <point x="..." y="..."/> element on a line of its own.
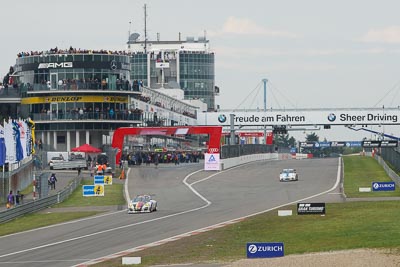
<point x="81" y="96"/>
<point x="188" y="65"/>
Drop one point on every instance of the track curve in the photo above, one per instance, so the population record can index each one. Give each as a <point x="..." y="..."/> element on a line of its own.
<point x="221" y="196"/>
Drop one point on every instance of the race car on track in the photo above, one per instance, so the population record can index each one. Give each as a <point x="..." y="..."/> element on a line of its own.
<point x="142" y="203"/>
<point x="288" y="175"/>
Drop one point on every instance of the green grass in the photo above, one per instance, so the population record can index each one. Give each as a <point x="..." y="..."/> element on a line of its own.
<point x="346" y="226"/>
<point x="36" y="220"/>
<point x="361" y="171"/>
<point x="113" y="195"/>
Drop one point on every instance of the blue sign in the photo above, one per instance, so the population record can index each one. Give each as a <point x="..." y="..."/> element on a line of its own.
<point x="324" y="144"/>
<point x="383" y="186"/>
<point x="265" y="250"/>
<point x="88" y="190"/>
<point x="99" y="179"/>
<point x="353" y="144"/>
<point x="293" y="150"/>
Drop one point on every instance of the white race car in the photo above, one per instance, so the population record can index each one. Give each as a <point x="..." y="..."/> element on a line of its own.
<point x="142" y="203"/>
<point x="288" y="175"/>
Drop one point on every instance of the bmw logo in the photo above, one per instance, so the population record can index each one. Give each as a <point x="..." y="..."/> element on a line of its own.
<point x="252" y="248"/>
<point x="222" y="118"/>
<point x="331" y="117"/>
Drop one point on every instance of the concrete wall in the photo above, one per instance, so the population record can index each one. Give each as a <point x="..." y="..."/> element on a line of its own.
<point x="231" y="162"/>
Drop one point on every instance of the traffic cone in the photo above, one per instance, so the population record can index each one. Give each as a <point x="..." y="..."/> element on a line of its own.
<point x="122" y="175"/>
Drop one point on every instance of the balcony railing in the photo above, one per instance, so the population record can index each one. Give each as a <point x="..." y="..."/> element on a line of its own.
<point x="116" y="116"/>
<point x="81" y="85"/>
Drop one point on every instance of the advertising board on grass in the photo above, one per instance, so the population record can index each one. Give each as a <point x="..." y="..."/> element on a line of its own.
<point x="383" y="186"/>
<point x="93" y="190"/>
<point x="108" y="179"/>
<point x="99" y="179"/>
<point x="310" y="208"/>
<point x="265" y="250"/>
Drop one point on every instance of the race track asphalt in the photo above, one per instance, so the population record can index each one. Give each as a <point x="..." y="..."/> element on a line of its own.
<point x="185" y="203"/>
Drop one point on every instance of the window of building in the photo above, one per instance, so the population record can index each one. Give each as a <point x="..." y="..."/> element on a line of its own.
<point x="60" y="139"/>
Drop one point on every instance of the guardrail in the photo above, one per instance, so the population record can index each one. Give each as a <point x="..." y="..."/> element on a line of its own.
<point x="37" y="205"/>
<point x="392" y="174"/>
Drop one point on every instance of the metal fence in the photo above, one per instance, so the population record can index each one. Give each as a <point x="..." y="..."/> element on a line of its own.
<point x="42" y="203"/>
<point x="389" y="156"/>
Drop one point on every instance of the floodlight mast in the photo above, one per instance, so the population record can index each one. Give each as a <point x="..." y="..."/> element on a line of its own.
<point x="265" y="108"/>
<point x="265" y="94"/>
<point x="145" y="28"/>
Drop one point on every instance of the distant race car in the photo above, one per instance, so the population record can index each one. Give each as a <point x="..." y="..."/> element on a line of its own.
<point x="288" y="175"/>
<point x="142" y="203"/>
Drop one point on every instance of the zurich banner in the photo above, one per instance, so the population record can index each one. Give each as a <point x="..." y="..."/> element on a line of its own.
<point x="383" y="186"/>
<point x="265" y="250"/>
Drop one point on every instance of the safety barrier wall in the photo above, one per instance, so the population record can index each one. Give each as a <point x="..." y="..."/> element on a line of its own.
<point x="37" y="205"/>
<point x="45" y="202"/>
<point x="232" y="162"/>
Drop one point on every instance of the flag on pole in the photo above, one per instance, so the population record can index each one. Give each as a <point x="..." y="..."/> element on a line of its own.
<point x="2" y="146"/>
<point x="9" y="142"/>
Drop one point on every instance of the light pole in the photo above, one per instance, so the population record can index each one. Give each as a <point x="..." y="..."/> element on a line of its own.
<point x="265" y="108"/>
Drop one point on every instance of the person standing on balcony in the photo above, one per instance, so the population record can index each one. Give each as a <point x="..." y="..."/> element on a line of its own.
<point x="111" y="113"/>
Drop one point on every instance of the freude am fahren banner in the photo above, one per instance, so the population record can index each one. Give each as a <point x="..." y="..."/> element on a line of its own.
<point x="303" y="117"/>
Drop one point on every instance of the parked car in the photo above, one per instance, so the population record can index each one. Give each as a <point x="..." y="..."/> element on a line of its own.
<point x="55" y="160"/>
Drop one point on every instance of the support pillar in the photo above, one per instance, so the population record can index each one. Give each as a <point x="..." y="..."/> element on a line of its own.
<point x="68" y="141"/>
<point x="55" y="140"/>
<point x="87" y="137"/>
<point x="77" y="139"/>
<point x="48" y="140"/>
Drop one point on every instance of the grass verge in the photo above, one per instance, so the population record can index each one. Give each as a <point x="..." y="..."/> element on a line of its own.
<point x="36" y="220"/>
<point x="113" y="195"/>
<point x="346" y="226"/>
<point x="361" y="171"/>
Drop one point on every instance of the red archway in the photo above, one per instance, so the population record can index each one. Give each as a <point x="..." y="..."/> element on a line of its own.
<point x="213" y="144"/>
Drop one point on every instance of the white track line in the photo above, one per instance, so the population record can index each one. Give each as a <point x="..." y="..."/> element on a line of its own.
<point x="110" y="230"/>
<point x="208" y="228"/>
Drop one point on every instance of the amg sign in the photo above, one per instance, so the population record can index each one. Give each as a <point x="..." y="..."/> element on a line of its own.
<point x="55" y="65"/>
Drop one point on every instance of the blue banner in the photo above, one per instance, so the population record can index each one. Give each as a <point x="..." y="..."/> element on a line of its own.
<point x="2" y="147"/>
<point x="17" y="139"/>
<point x="383" y="186"/>
<point x="88" y="190"/>
<point x="99" y="179"/>
<point x="353" y="144"/>
<point x="322" y="144"/>
<point x="2" y="151"/>
<point x="265" y="250"/>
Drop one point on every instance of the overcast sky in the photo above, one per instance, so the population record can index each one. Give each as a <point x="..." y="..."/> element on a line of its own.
<point x="315" y="54"/>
